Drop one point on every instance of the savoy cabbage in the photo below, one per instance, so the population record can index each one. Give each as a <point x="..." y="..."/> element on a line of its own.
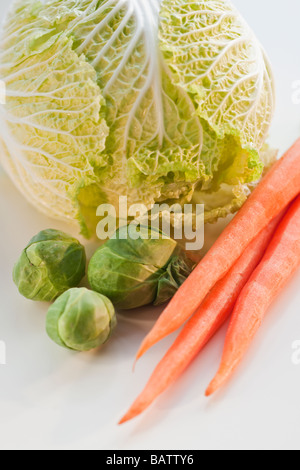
<point x="158" y="100"/>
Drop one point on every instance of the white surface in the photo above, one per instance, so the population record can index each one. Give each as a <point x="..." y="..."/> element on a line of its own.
<point x="52" y="398"/>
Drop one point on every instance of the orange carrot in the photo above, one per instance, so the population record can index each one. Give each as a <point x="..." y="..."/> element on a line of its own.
<point x="203" y="325"/>
<point x="279" y="187"/>
<point x="280" y="262"/>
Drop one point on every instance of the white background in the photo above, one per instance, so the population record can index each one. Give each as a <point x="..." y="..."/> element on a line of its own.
<point x="52" y="398"/>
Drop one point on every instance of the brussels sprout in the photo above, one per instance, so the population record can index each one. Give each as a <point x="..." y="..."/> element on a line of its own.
<point x="50" y="264"/>
<point x="133" y="273"/>
<point x="81" y="320"/>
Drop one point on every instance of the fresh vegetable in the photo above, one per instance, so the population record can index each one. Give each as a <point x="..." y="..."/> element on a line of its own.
<point x="214" y="311"/>
<point x="280" y="262"/>
<point x="155" y="100"/>
<point x="135" y="272"/>
<point x="280" y="186"/>
<point x="81" y="320"/>
<point x="51" y="263"/>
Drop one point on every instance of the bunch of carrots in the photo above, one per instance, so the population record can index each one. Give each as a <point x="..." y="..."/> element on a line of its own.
<point x="242" y="275"/>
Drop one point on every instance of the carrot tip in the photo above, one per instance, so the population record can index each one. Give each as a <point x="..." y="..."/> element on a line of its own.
<point x="123" y="420"/>
<point x="131" y="414"/>
<point x="217" y="383"/>
<point x="137" y="357"/>
<point x="209" y="392"/>
<point x="143" y="349"/>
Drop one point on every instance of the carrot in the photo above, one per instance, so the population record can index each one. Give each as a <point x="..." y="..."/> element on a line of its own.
<point x="280" y="262"/>
<point x="279" y="187"/>
<point x="203" y="325"/>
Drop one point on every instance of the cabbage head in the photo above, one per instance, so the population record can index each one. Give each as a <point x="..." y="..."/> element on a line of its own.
<point x="156" y="100"/>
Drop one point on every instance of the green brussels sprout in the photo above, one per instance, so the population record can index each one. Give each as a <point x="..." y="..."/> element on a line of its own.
<point x="137" y="272"/>
<point x="81" y="320"/>
<point x="52" y="263"/>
